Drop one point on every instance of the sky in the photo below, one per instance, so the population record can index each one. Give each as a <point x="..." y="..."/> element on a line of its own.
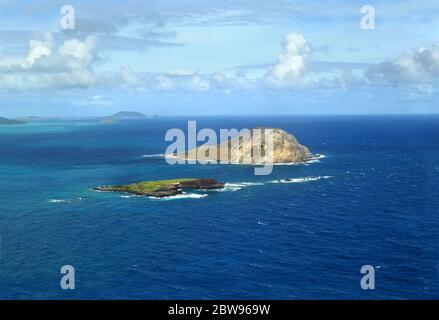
<point x="241" y="57"/>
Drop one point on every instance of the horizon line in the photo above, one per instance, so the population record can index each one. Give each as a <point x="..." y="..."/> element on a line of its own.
<point x="233" y="115"/>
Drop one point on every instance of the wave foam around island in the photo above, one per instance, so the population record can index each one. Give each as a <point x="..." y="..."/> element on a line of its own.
<point x="182" y="196"/>
<point x="60" y="201"/>
<point x="158" y="155"/>
<point x="314" y="159"/>
<point x="317" y="158"/>
<point x="230" y="187"/>
<point x="65" y="201"/>
<point x="301" y="180"/>
<point x="240" y="185"/>
<point x="237" y="186"/>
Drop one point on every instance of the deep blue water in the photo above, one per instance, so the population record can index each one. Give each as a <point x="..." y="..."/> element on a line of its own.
<point x="302" y="240"/>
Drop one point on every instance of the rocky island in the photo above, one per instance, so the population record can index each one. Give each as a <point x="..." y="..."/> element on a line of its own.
<point x="286" y="149"/>
<point x="163" y="188"/>
<point x="123" y="116"/>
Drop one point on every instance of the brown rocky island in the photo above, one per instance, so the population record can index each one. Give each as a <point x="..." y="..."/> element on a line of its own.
<point x="286" y="149"/>
<point x="164" y="188"/>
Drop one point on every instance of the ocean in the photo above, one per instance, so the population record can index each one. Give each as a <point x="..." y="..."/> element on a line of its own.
<point x="371" y="200"/>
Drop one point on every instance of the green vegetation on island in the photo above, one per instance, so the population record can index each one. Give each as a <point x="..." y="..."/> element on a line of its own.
<point x="164" y="188"/>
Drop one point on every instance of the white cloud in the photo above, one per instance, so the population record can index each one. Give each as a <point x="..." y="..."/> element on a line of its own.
<point x="164" y="83"/>
<point x="128" y="77"/>
<point x="420" y="66"/>
<point x="45" y="67"/>
<point x="195" y="82"/>
<point x="83" y="51"/>
<point x="37" y="50"/>
<point x="70" y="65"/>
<point x="199" y="83"/>
<point x="95" y="100"/>
<point x="293" y="64"/>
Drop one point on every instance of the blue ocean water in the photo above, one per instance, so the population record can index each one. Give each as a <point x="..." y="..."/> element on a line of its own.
<point x="373" y="200"/>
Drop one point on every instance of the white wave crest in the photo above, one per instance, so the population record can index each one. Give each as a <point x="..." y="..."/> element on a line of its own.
<point x="230" y="187"/>
<point x="237" y="186"/>
<point x="315" y="159"/>
<point x="182" y="196"/>
<point x="67" y="201"/>
<point x="301" y="180"/>
<point x="252" y="183"/>
<point x="60" y="201"/>
<point x="158" y="155"/>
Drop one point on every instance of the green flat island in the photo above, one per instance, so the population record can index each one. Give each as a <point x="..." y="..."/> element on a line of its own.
<point x="164" y="188"/>
<point x="149" y="186"/>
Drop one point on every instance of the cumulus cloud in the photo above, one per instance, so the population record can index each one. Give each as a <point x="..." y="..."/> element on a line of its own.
<point x="293" y="63"/>
<point x="128" y="77"/>
<point x="164" y="83"/>
<point x="420" y="66"/>
<point x="199" y="83"/>
<point x="217" y="81"/>
<point x="46" y="66"/>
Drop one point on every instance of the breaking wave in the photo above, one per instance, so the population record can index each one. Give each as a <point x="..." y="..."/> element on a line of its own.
<point x="60" y="201"/>
<point x="239" y="185"/>
<point x="127" y="196"/>
<point x="66" y="201"/>
<point x="182" y="196"/>
<point x="315" y="159"/>
<point x="300" y="180"/>
<point x="158" y="155"/>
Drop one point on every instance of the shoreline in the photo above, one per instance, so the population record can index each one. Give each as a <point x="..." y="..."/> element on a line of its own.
<point x="312" y="159"/>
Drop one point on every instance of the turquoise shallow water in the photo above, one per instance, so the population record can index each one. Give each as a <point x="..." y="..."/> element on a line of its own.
<point x="371" y="200"/>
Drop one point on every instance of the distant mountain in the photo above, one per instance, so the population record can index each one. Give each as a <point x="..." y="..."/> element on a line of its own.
<point x="4" y="121"/>
<point x="122" y="116"/>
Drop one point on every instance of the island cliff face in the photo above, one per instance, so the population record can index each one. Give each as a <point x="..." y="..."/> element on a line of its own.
<point x="286" y="149"/>
<point x="164" y="188"/>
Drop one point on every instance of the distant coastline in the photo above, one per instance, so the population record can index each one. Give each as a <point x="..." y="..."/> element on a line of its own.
<point x="6" y="121"/>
